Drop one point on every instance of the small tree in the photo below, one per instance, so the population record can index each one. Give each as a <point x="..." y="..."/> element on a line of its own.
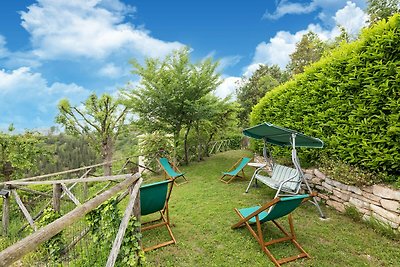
<point x="171" y="92"/>
<point x="99" y="119"/>
<point x="253" y="89"/>
<point x="308" y="50"/>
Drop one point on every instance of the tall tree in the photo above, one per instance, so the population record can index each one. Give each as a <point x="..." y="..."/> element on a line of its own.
<point x="251" y="90"/>
<point x="382" y="9"/>
<point x="220" y="118"/>
<point x="100" y="119"/>
<point x="171" y="91"/>
<point x="308" y="50"/>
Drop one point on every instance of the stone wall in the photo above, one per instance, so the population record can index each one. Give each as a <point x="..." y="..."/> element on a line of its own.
<point x="378" y="201"/>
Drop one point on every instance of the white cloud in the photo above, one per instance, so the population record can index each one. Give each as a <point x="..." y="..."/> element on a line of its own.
<point x="21" y="80"/>
<point x="326" y="8"/>
<point x="111" y="71"/>
<point x="229" y="61"/>
<point x="26" y="98"/>
<point x="352" y="18"/>
<point x="227" y="87"/>
<point x="88" y="29"/>
<point x="285" y="7"/>
<point x="279" y="47"/>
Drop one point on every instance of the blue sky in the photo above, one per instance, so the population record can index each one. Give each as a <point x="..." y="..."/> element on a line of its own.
<point x="51" y="49"/>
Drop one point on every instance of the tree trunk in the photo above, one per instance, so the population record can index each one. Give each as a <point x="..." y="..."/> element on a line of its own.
<point x="176" y="143"/>
<point x="107" y="153"/>
<point x="199" y="150"/>
<point x="186" y="145"/>
<point x="6" y="213"/>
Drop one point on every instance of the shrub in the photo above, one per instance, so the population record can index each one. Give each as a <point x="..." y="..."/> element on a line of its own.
<point x="350" y="99"/>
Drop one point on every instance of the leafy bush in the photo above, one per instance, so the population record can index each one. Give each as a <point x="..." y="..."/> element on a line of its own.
<point x="350" y="99"/>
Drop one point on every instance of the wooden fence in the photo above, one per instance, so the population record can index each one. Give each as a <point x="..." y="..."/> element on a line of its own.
<point x="72" y="194"/>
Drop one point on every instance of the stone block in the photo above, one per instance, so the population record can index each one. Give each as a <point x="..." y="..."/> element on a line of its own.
<point x="335" y="198"/>
<point x="328" y="181"/>
<point x="385" y="221"/>
<point x="308" y="176"/>
<point x="358" y="203"/>
<point x="367" y="189"/>
<point x="393" y="217"/>
<point x="327" y="186"/>
<point x="339" y="185"/>
<point x="386" y="192"/>
<point x="365" y="200"/>
<point x="390" y="205"/>
<point x="354" y="189"/>
<point x="309" y="171"/>
<point x="341" y="195"/>
<point x="372" y="197"/>
<point x="336" y="205"/>
<point x="364" y="211"/>
<point x="323" y="196"/>
<point x="319" y="174"/>
<point x="316" y="181"/>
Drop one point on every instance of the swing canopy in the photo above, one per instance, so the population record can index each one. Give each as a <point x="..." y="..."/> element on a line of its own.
<point x="281" y="136"/>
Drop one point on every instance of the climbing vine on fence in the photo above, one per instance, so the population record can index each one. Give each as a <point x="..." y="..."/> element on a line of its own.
<point x="104" y="223"/>
<point x="55" y="245"/>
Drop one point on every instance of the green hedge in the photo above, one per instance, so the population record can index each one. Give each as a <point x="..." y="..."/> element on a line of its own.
<point x="350" y="99"/>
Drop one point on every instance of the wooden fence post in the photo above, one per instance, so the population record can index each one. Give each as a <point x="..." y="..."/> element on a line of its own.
<point x="56" y="197"/>
<point x="6" y="212"/>
<point x="137" y="213"/>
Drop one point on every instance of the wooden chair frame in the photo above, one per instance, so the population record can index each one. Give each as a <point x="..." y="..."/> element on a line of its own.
<point x="231" y="177"/>
<point x="259" y="236"/>
<point x="173" y="178"/>
<point x="164" y="218"/>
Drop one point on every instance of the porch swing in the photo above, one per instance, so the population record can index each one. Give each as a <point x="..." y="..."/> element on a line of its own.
<point x="285" y="180"/>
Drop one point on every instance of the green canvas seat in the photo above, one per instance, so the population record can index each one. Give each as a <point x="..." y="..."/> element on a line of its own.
<point x="171" y="171"/>
<point x="233" y="172"/>
<point x="271" y="211"/>
<point x="154" y="198"/>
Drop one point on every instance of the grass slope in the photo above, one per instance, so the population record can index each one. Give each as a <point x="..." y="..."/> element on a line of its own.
<point x="202" y="213"/>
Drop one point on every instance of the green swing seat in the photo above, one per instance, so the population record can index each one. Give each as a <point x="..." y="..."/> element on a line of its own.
<point x="275" y="209"/>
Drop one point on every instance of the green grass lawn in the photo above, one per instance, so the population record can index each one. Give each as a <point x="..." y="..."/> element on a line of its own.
<point x="202" y="213"/>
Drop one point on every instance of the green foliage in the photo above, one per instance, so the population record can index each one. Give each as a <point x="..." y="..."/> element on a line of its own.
<point x="131" y="254"/>
<point x="382" y="9"/>
<point x="308" y="50"/>
<point x="19" y="153"/>
<point x="67" y="153"/>
<point x="348" y="174"/>
<point x="54" y="246"/>
<point x="172" y="93"/>
<point x="155" y="145"/>
<point x="100" y="120"/>
<point x="353" y="213"/>
<point x="350" y="99"/>
<point x="250" y="90"/>
<point x="104" y="224"/>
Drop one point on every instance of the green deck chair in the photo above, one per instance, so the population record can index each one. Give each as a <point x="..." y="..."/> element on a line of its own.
<point x="232" y="173"/>
<point x="171" y="171"/>
<point x="271" y="211"/>
<point x="154" y="198"/>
